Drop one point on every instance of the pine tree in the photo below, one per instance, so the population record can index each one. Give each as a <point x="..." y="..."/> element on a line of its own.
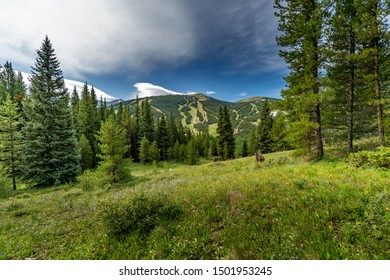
<point x="373" y="30"/>
<point x="154" y="152"/>
<point x="112" y="144"/>
<point x="86" y="153"/>
<point x="342" y="71"/>
<point x="144" y="150"/>
<point x="74" y="102"/>
<point x="7" y="82"/>
<point x="173" y="134"/>
<point x="192" y="152"/>
<point x="264" y="129"/>
<point x="128" y="123"/>
<point x="176" y="151"/>
<point x="244" y="148"/>
<point x="103" y="109"/>
<point x="146" y="121"/>
<point x="301" y="26"/>
<point x="279" y="133"/>
<point x="10" y="137"/>
<point x="50" y="149"/>
<point x="226" y="143"/>
<point x="162" y="137"/>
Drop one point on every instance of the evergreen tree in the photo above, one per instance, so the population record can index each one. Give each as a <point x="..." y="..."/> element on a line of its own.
<point x="373" y="31"/>
<point x="244" y="148"/>
<point x="154" y="152"/>
<point x="342" y="79"/>
<point x="12" y="84"/>
<point x="137" y="135"/>
<point x="279" y="133"/>
<point x="192" y="152"/>
<point x="176" y="151"/>
<point x="50" y="149"/>
<point x="253" y="143"/>
<point x="7" y="82"/>
<point x="181" y="134"/>
<point x="10" y="137"/>
<point x="173" y="134"/>
<point x="146" y="121"/>
<point x="264" y="129"/>
<point x="75" y="100"/>
<point x="301" y="26"/>
<point x="128" y="124"/>
<point x="84" y="122"/>
<point x="144" y="150"/>
<point x="120" y="112"/>
<point x="226" y="143"/>
<point x="103" y="109"/>
<point x="86" y="153"/>
<point x="162" y="137"/>
<point x="112" y="144"/>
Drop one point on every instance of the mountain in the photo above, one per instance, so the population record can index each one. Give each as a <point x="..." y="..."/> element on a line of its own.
<point x="199" y="111"/>
<point x="70" y="84"/>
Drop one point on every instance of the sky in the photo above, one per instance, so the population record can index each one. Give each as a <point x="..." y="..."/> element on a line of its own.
<point x="224" y="48"/>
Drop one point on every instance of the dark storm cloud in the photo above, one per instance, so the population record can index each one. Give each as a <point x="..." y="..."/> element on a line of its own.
<point x="237" y="35"/>
<point x="102" y="36"/>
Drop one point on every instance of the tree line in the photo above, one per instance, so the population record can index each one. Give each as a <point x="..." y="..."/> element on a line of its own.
<point x="337" y="52"/>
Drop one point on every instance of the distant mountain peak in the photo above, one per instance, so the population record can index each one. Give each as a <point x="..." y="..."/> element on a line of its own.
<point x="255" y="98"/>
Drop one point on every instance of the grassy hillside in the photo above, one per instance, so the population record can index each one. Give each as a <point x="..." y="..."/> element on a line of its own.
<point x="281" y="209"/>
<point x="198" y="110"/>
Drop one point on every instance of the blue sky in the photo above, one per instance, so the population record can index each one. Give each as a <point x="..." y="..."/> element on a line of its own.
<point x="125" y="47"/>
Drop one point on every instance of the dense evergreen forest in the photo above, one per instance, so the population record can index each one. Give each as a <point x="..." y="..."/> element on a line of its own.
<point x="337" y="91"/>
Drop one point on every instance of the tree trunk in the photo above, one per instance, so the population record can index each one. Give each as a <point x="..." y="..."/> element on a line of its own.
<point x="319" y="142"/>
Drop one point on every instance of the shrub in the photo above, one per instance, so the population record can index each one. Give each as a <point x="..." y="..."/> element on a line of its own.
<point x="379" y="158"/>
<point x="139" y="214"/>
<point x="89" y="181"/>
<point x="5" y="185"/>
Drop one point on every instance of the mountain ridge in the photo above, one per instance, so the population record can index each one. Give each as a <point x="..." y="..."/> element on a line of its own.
<point x="200" y="111"/>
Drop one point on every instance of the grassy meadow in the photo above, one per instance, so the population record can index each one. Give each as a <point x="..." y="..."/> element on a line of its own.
<point x="280" y="209"/>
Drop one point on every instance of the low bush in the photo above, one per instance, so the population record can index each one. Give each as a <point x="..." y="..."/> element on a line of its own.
<point x="140" y="214"/>
<point x="5" y="186"/>
<point x="378" y="159"/>
<point x="90" y="181"/>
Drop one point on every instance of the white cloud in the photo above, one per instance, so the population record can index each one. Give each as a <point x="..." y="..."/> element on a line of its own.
<point x="70" y="84"/>
<point x="97" y="36"/>
<point x="242" y="94"/>
<point x="148" y="90"/>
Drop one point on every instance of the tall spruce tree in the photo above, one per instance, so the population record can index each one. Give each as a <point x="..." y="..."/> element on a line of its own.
<point x="226" y="143"/>
<point x="10" y="137"/>
<point x="342" y="81"/>
<point x="112" y="144"/>
<point x="373" y="31"/>
<point x="301" y="26"/>
<point x="7" y="82"/>
<point x="162" y="137"/>
<point x="264" y="129"/>
<point x="144" y="150"/>
<point x="146" y="121"/>
<point x="50" y="150"/>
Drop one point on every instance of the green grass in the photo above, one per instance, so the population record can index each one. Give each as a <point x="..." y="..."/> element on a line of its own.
<point x="281" y="209"/>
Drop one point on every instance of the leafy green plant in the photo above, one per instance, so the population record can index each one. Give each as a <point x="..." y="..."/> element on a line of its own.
<point x="379" y="158"/>
<point x="140" y="214"/>
<point x="90" y="181"/>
